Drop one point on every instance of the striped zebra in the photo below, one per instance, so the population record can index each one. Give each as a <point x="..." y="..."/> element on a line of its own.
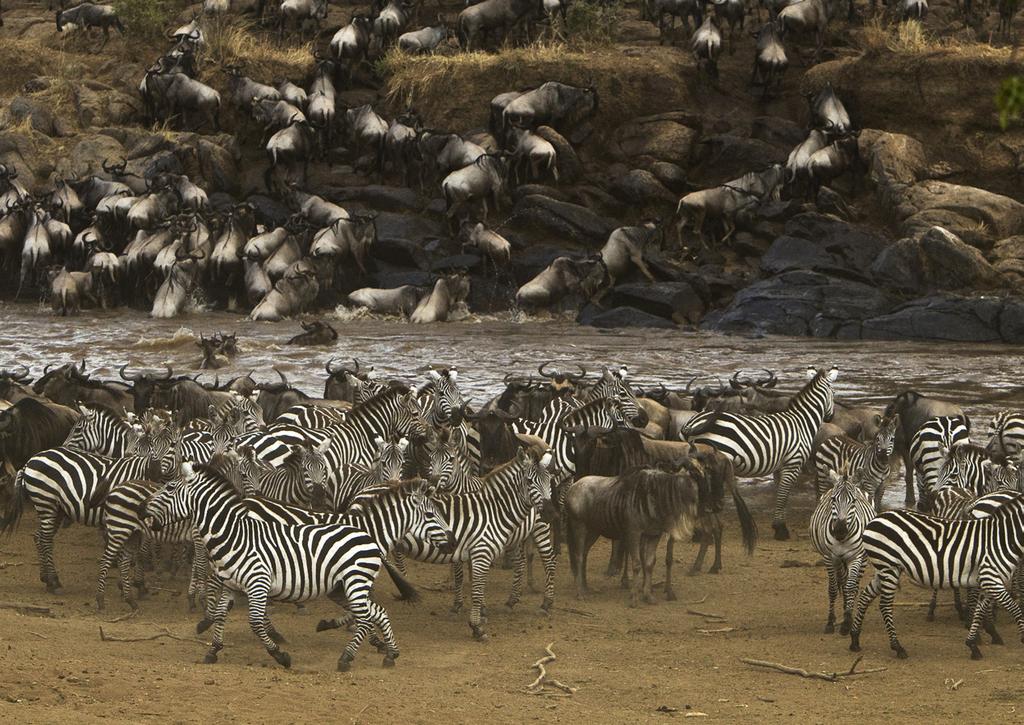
<point x="441" y="398"/>
<point x="774" y="443"/>
<point x="939" y="554"/>
<point x="1006" y="435"/>
<point x="313" y="415"/>
<point x="867" y="462"/>
<point x="453" y="474"/>
<point x="292" y="483"/>
<point x="969" y="467"/>
<point x="928" y="448"/>
<point x="483" y="523"/>
<point x="268" y="560"/>
<point x="123" y="527"/>
<point x="66" y="485"/>
<point x="612" y="384"/>
<point x="336" y="494"/>
<point x="393" y="412"/>
<point x="101" y="431"/>
<point x="837" y="530"/>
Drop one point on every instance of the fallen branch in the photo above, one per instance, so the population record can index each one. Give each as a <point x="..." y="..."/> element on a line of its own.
<point x="123" y="617"/>
<point x="709" y="615"/>
<point x="826" y="676"/>
<point x="31" y="609"/>
<point x="36" y="634"/>
<point x="5" y="564"/>
<point x="104" y="637"/>
<point x="717" y="631"/>
<point x="581" y="612"/>
<point x="537" y="686"/>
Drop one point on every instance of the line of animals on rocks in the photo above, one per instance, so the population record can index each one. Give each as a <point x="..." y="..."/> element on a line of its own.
<point x="118" y="238"/>
<point x="283" y="496"/>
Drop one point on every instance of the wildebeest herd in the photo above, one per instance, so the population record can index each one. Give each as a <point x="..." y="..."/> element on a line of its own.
<point x="282" y="496"/>
<point x="155" y="239"/>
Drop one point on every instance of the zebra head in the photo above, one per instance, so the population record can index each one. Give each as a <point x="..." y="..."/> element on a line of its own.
<point x="426" y="522"/>
<point x="446" y="405"/>
<point x="223" y="429"/>
<point x="313" y="464"/>
<point x="248" y="415"/>
<point x="536" y="468"/>
<point x="1002" y="477"/>
<point x="963" y="467"/>
<point x="100" y="431"/>
<point x="442" y="462"/>
<point x="1006" y="434"/>
<point x="842" y="521"/>
<point x="390" y="458"/>
<point x="409" y="420"/>
<point x="885" y="438"/>
<point x="818" y="393"/>
<point x="171" y="503"/>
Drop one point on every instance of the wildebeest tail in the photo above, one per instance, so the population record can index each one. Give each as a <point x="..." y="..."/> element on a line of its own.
<point x="748" y="526"/>
<point x="406" y="590"/>
<point x="15" y="506"/>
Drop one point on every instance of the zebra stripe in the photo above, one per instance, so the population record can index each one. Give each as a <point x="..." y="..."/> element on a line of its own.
<point x="837" y="530"/>
<point x="775" y="443"/>
<point x="1006" y="435"/>
<point x="928" y="448"/>
<point x="101" y="431"/>
<point x="867" y="462"/>
<point x="939" y="554"/>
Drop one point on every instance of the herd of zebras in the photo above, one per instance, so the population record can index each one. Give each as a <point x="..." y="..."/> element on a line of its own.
<point x="283" y="497"/>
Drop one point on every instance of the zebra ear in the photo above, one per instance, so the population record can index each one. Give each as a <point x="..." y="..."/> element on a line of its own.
<point x="987" y="465"/>
<point x="945" y="452"/>
<point x="322" y="448"/>
<point x="545" y="460"/>
<point x="623" y="372"/>
<point x="878" y="419"/>
<point x="434" y="375"/>
<point x="832" y="374"/>
<point x="833" y="477"/>
<point x="811" y="372"/>
<point x="453" y="375"/>
<point x="403" y="443"/>
<point x="379" y="442"/>
<point x="187" y="471"/>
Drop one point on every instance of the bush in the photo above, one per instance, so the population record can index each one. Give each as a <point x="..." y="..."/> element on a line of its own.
<point x="593" y="22"/>
<point x="144" y="18"/>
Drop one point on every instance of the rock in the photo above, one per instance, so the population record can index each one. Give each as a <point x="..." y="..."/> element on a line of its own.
<point x="899" y="267"/>
<point x="570" y="168"/>
<point x="88" y="155"/>
<point x="657" y="137"/>
<point x="456" y="262"/>
<point x="956" y="319"/>
<point x="729" y="157"/>
<point x="28" y="154"/>
<point x="892" y="158"/>
<point x="801" y="303"/>
<point x="676" y="301"/>
<point x="562" y="220"/>
<point x="528" y="263"/>
<point x="975" y="215"/>
<point x="641" y="188"/>
<point x="391" y="278"/>
<point x="950" y="264"/>
<point x="777" y="131"/>
<point x="39" y="115"/>
<point x="99" y="105"/>
<point x="269" y="212"/>
<point x="824" y="244"/>
<point x="669" y="174"/>
<point x="417" y="229"/>
<point x="400" y="253"/>
<point x="384" y="198"/>
<point x="162" y="162"/>
<point x="219" y="166"/>
<point x="830" y="202"/>
<point x="594" y="316"/>
<point x="1009" y="259"/>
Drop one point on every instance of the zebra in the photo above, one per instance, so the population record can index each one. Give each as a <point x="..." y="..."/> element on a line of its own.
<point x="122" y="521"/>
<point x="483" y="523"/>
<point x="774" y="443"/>
<point x="294" y="563"/>
<point x="928" y="446"/>
<point x="337" y="493"/>
<point x="968" y="466"/>
<point x="312" y="415"/>
<point x="867" y="462"/>
<point x="451" y="471"/>
<point x="938" y="554"/>
<point x="66" y="485"/>
<point x="440" y="397"/>
<point x="101" y="431"/>
<point x="837" y="529"/>
<point x="291" y="483"/>
<point x="1006" y="435"/>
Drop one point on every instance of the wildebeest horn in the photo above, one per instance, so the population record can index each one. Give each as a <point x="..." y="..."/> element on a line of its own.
<point x="283" y="378"/>
<point x="170" y="373"/>
<point x="734" y="381"/>
<point x="20" y="376"/>
<point x="133" y="377"/>
<point x="543" y="373"/>
<point x="578" y="376"/>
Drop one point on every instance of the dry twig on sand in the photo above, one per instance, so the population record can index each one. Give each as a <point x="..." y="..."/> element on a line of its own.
<point x="543" y="680"/>
<point x="104" y="637"/>
<point x="30" y="609"/>
<point x="826" y="676"/>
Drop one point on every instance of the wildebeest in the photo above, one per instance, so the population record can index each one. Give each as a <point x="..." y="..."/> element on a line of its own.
<point x="553" y="104"/>
<point x="293" y="293"/>
<point x="533" y="157"/>
<point x="805" y="17"/>
<point x="624" y="250"/>
<point x="30" y="426"/>
<point x="728" y="202"/>
<point x="366" y="131"/>
<point x="88" y="15"/>
<point x="69" y="386"/>
<point x="425" y="40"/>
<point x="177" y="286"/>
<point x="475" y="22"/>
<point x="301" y="13"/>
<point x="442" y="152"/>
<point x="392" y="301"/>
<point x="68" y="290"/>
<point x="342" y="379"/>
<point x="707" y="46"/>
<point x="244" y="91"/>
<point x="316" y="332"/>
<point x="828" y="112"/>
<point x="682" y="9"/>
<point x="829" y="163"/>
<point x="289" y="148"/>
<point x="448" y="292"/>
<point x="562" y="277"/>
<point x="492" y="245"/>
<point x="484" y="179"/>
<point x="770" y="60"/>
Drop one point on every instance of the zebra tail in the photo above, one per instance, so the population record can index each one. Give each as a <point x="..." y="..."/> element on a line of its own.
<point x="747" y="524"/>
<point x="15" y="506"/>
<point x="405" y="588"/>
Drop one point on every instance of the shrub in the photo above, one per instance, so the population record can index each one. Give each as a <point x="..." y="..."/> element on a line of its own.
<point x="144" y="18"/>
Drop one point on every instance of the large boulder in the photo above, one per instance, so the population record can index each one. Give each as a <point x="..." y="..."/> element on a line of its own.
<point x="894" y="160"/>
<point x="662" y="138"/>
<point x="801" y="303"/>
<point x="977" y="216"/>
<point x="937" y="261"/>
<point x="100" y="105"/>
<point x="561" y="220"/>
<point x="824" y="244"/>
<point x="570" y="168"/>
<point x="956" y="319"/>
<point x="1009" y="259"/>
<point x="676" y="301"/>
<point x="642" y="189"/>
<point x="88" y="155"/>
<point x="384" y="198"/>
<point x="38" y="115"/>
<point x="594" y="316"/>
<point x="778" y="131"/>
<point x="727" y="157"/>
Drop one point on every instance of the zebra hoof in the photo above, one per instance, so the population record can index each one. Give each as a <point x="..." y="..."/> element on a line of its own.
<point x="456" y="608"/>
<point x="830" y="628"/>
<point x="388" y="662"/>
<point x="781" y="532"/>
<point x="902" y="653"/>
<point x="210" y="658"/>
<point x="975" y="652"/>
<point x="844" y="628"/>
<point x="324" y="624"/>
<point x="511" y="603"/>
<point x="670" y="595"/>
<point x="282" y="658"/>
<point x="546" y="605"/>
<point x="855" y="641"/>
<point x="715" y="569"/>
<point x="344" y="664"/>
<point x="203" y="625"/>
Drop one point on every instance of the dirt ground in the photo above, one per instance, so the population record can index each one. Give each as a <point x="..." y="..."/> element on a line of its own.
<point x="626" y="663"/>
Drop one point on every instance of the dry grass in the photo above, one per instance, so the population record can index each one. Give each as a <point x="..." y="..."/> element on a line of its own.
<point x="455" y="91"/>
<point x="910" y="40"/>
<point x="25" y="59"/>
<point x="232" y="40"/>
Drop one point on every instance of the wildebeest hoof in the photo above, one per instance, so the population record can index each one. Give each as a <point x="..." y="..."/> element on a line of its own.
<point x="715" y="569"/>
<point x="283" y="658"/>
<point x="203" y="625"/>
<point x="781" y="532"/>
<point x="670" y="595"/>
<point x="388" y="662"/>
<point x="324" y="624"/>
